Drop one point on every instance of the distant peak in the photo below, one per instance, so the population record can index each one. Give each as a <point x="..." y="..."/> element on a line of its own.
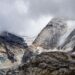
<point x="57" y="20"/>
<point x="11" y="38"/>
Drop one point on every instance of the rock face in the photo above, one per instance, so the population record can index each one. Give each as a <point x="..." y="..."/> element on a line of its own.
<point x="27" y="55"/>
<point x="12" y="39"/>
<point x="50" y="63"/>
<point x="26" y="61"/>
<point x="49" y="37"/>
<point x="12" y="48"/>
<point x="70" y="41"/>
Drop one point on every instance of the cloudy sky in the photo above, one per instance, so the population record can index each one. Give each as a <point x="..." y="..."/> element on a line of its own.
<point x="28" y="17"/>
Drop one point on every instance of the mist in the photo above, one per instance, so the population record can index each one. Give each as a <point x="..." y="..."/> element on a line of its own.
<point x="29" y="17"/>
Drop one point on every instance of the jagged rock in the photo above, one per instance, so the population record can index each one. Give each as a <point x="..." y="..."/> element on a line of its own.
<point x="27" y="55"/>
<point x="46" y="63"/>
<point x="12" y="48"/>
<point x="69" y="41"/>
<point x="56" y="36"/>
<point x="50" y="63"/>
<point x="12" y="39"/>
<point x="49" y="37"/>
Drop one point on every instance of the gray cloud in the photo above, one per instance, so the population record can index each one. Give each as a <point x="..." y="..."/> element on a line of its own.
<point x="53" y="7"/>
<point x="28" y="17"/>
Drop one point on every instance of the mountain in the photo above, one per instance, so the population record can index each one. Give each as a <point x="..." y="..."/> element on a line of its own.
<point x="12" y="39"/>
<point x="69" y="41"/>
<point x="49" y="37"/>
<point x="49" y="63"/>
<point x="12" y="48"/>
<point x="56" y="35"/>
<point x="49" y="53"/>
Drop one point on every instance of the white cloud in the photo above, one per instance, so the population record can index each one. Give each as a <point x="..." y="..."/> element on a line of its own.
<point x="21" y="6"/>
<point x="28" y="17"/>
<point x="35" y="26"/>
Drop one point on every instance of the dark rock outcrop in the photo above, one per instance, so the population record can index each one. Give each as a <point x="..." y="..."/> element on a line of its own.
<point x="51" y="36"/>
<point x="69" y="41"/>
<point x="49" y="63"/>
<point x="45" y="63"/>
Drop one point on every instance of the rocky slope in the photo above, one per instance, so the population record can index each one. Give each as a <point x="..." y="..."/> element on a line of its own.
<point x="70" y="41"/>
<point x="46" y="63"/>
<point x="12" y="49"/>
<point x="50" y="63"/>
<point x="46" y="56"/>
<point x="55" y="58"/>
<point x="49" y="37"/>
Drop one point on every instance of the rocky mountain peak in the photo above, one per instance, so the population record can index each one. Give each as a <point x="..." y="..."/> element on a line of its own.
<point x="49" y="37"/>
<point x="50" y="61"/>
<point x="12" y="47"/>
<point x="11" y="38"/>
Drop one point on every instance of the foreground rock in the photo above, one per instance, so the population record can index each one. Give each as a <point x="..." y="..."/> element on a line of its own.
<point x="49" y="63"/>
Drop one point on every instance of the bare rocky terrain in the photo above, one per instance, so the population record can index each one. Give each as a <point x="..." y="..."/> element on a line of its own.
<point x="47" y="55"/>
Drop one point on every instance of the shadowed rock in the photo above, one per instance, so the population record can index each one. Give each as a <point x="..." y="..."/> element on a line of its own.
<point x="11" y="47"/>
<point x="45" y="63"/>
<point x="12" y="39"/>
